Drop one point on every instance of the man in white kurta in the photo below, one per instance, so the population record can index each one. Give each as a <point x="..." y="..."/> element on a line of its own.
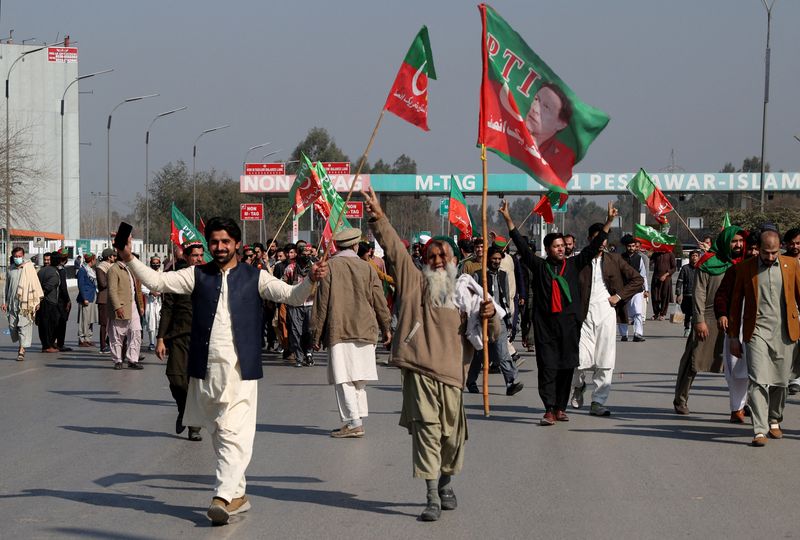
<point x="223" y="402"/>
<point x="349" y="311"/>
<point x="638" y="304"/>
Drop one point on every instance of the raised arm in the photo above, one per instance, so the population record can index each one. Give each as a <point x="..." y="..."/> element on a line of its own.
<point x="586" y="255"/>
<point x="528" y="258"/>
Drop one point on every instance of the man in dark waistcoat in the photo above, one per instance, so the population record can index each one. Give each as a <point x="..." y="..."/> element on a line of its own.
<point x="225" y="350"/>
<point x="174" y="329"/>
<point x="559" y="311"/>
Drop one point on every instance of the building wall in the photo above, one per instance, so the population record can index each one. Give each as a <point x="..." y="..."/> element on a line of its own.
<point x="36" y="87"/>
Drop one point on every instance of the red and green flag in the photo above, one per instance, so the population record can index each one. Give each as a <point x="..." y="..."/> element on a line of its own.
<point x="647" y="193"/>
<point x="545" y="205"/>
<point x="329" y="205"/>
<point x="653" y="240"/>
<point x="528" y="115"/>
<point x="458" y="213"/>
<point x="408" y="97"/>
<point x="306" y="188"/>
<point x="182" y="231"/>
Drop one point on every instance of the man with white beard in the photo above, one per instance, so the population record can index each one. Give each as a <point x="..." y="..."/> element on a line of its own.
<point x="432" y="358"/>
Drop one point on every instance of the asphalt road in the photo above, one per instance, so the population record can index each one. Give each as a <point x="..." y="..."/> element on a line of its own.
<point x="89" y="452"/>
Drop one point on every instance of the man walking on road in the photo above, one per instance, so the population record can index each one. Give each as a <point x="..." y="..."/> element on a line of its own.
<point x="47" y="318"/>
<point x="87" y="294"/>
<point x="108" y="258"/>
<point x="765" y="300"/>
<point x="349" y="311"/>
<point x="637" y="306"/>
<point x="125" y="325"/>
<point x="664" y="266"/>
<point x="64" y="301"/>
<point x="559" y="311"/>
<point x="174" y="328"/>
<point x="21" y="299"/>
<point x="225" y="350"/>
<point x="606" y="285"/>
<point x="791" y="243"/>
<point x="703" y="352"/>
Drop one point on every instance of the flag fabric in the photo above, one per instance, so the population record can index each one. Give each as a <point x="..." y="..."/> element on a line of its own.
<point x="727" y="221"/>
<point x="647" y="193"/>
<point x="545" y="205"/>
<point x="306" y="188"/>
<point x="202" y="227"/>
<point x="330" y="206"/>
<point x="183" y="231"/>
<point x="528" y="115"/>
<point x="653" y="240"/>
<point x="458" y="213"/>
<point x="408" y="97"/>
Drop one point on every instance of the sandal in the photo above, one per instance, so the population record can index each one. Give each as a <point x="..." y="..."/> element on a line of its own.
<point x="21" y="357"/>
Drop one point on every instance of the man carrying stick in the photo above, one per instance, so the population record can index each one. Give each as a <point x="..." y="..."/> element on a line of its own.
<point x="559" y="313"/>
<point x="431" y="357"/>
<point x="225" y="350"/>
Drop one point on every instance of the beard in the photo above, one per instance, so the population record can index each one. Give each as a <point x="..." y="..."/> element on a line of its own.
<point x="441" y="285"/>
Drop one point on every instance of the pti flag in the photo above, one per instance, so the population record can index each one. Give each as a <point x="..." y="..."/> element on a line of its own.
<point x="647" y="192"/>
<point x="329" y="205"/>
<point x="408" y="97"/>
<point x="306" y="188"/>
<point x="653" y="240"/>
<point x="458" y="214"/>
<point x="545" y="205"/>
<point x="528" y="115"/>
<point x="183" y="231"/>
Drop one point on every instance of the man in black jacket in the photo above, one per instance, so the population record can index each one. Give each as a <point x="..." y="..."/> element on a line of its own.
<point x="498" y="350"/>
<point x="59" y="259"/>
<point x="48" y="314"/>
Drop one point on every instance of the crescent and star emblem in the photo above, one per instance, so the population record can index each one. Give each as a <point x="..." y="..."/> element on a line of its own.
<point x="414" y="88"/>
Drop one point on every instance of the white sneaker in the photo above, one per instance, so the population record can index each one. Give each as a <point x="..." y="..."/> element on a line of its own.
<point x="577" y="396"/>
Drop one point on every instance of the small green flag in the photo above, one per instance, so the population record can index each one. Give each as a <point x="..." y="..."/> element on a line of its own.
<point x="184" y="231"/>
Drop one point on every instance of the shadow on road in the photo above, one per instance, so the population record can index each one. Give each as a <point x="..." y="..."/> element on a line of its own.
<point x="119" y="432"/>
<point x="688" y="432"/>
<point x="292" y="430"/>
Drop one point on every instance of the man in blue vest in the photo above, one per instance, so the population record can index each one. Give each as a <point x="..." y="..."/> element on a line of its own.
<point x="225" y="350"/>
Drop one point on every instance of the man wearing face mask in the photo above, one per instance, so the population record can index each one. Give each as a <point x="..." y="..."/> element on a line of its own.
<point x="559" y="311"/>
<point x="498" y="351"/>
<point x="300" y="316"/>
<point x="21" y="298"/>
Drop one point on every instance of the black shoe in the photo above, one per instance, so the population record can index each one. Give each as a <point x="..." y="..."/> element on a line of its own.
<point x="448" y="498"/>
<point x="117" y="365"/>
<point x="135" y="365"/>
<point x="309" y="360"/>
<point x="515" y="357"/>
<point x="514" y="388"/>
<point x="179" y="427"/>
<point x="638" y="339"/>
<point x="432" y="512"/>
<point x="794" y="389"/>
<point x="494" y="369"/>
<point x="473" y="389"/>
<point x="65" y="349"/>
<point x="624" y="338"/>
<point x="194" y="434"/>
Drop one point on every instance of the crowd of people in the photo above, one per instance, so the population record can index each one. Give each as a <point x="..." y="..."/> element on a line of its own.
<point x="424" y="301"/>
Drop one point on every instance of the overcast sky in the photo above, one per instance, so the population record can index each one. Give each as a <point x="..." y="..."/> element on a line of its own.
<point x="684" y="75"/>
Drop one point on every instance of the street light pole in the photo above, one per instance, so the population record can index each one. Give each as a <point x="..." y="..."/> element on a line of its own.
<point x="244" y="159"/>
<point x="108" y="156"/>
<point x="766" y="100"/>
<point x="194" y="163"/>
<point x="147" y="174"/>
<point x="8" y="144"/>
<point x="63" y="96"/>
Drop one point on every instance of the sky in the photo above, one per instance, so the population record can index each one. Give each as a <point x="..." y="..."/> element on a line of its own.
<point x="683" y="75"/>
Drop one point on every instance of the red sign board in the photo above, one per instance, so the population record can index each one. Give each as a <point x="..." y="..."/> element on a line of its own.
<point x="251" y="212"/>
<point x="336" y="167"/>
<point x="355" y="209"/>
<point x="64" y="55"/>
<point x="265" y="169"/>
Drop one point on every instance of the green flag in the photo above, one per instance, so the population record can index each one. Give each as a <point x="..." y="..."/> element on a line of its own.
<point x="184" y="231"/>
<point x="727" y="221"/>
<point x="653" y="240"/>
<point x="333" y="207"/>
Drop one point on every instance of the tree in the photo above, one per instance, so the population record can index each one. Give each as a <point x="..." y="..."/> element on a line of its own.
<point x="25" y="178"/>
<point x="318" y="146"/>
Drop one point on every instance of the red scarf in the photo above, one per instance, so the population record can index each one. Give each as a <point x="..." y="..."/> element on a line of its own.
<point x="558" y="284"/>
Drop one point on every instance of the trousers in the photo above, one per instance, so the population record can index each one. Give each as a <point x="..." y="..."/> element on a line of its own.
<point x="736" y="376"/>
<point x="47" y="319"/>
<point x="635" y="309"/>
<point x="118" y="330"/>
<point x="766" y="405"/>
<point x="554" y="386"/>
<point x="299" y="331"/>
<point x="351" y="397"/>
<point x="498" y="355"/>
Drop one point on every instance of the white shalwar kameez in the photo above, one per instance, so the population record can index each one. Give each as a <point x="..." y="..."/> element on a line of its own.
<point x="350" y="366"/>
<point x="736" y="374"/>
<point x="598" y="344"/>
<point x="223" y="403"/>
<point x="637" y="305"/>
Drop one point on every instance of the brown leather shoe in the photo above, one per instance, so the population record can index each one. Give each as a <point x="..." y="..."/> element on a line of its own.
<point x="238" y="505"/>
<point x="759" y="440"/>
<point x="549" y="419"/>
<point x="775" y="433"/>
<point x="51" y="350"/>
<point x="737" y="417"/>
<point x="218" y="512"/>
<point x="561" y="416"/>
<point x="683" y="410"/>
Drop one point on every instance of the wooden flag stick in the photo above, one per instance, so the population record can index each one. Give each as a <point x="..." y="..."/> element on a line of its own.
<point x="519" y="228"/>
<point x="280" y="228"/>
<point x="485" y="322"/>
<point x="686" y="225"/>
<point x="361" y="163"/>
